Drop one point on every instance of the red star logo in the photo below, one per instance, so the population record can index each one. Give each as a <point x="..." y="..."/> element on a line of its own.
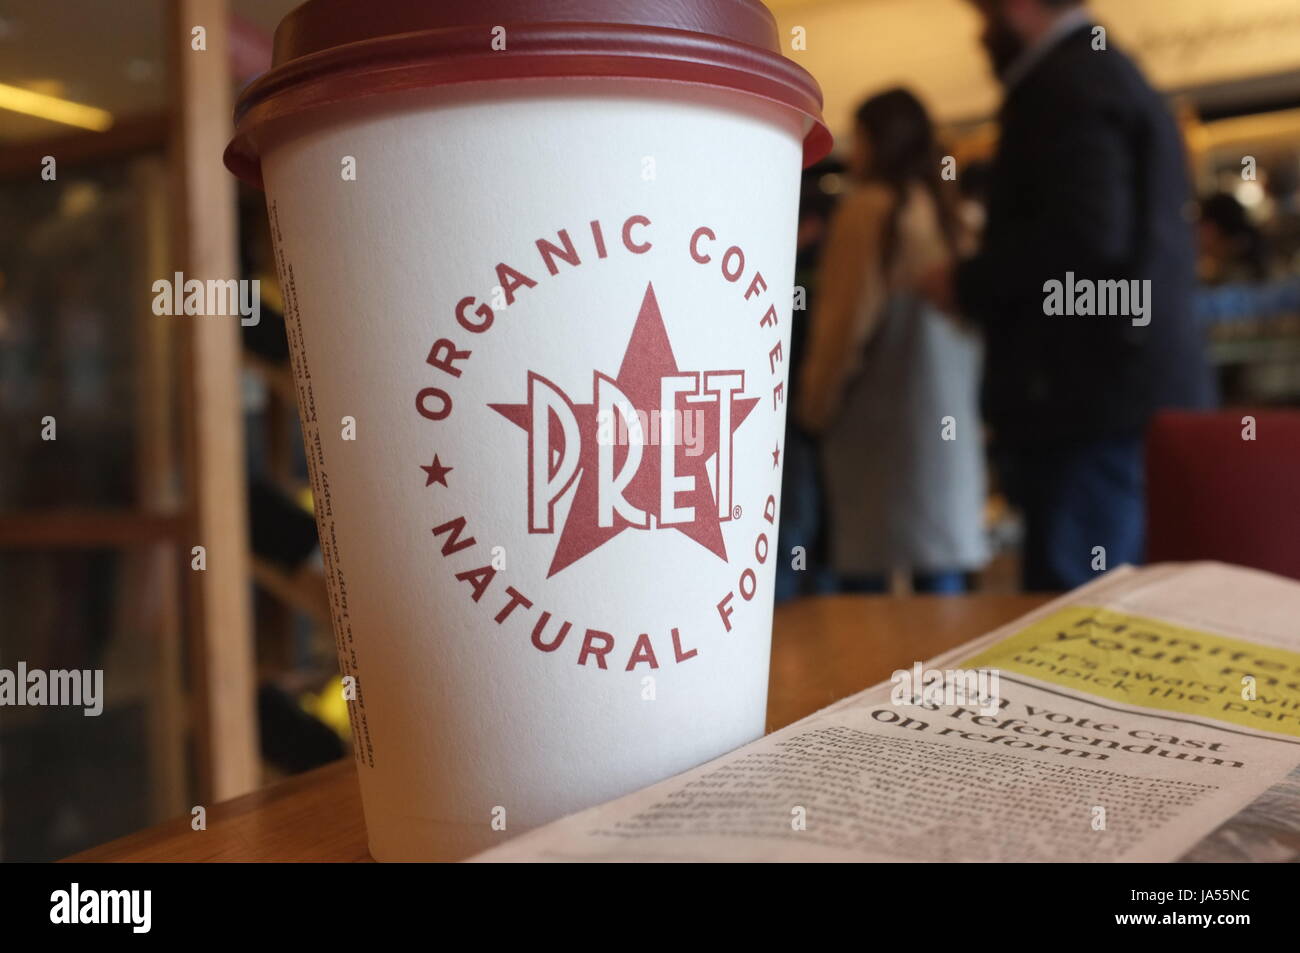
<point x="437" y="472"/>
<point x="646" y="361"/>
<point x="776" y="457"/>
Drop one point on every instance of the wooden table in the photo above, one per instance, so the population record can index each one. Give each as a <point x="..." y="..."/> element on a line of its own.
<point x="823" y="649"/>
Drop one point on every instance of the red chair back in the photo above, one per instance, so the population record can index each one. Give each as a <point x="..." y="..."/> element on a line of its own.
<point x="1213" y="494"/>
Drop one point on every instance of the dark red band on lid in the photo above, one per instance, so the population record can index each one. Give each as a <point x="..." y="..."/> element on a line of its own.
<point x="329" y="51"/>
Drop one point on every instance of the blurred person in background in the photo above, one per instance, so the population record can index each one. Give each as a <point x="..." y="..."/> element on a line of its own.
<point x="1231" y="247"/>
<point x="890" y="382"/>
<point x="1236" y="283"/>
<point x="802" y="571"/>
<point x="1090" y="181"/>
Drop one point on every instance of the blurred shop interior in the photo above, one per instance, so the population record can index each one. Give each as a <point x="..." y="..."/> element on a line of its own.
<point x="171" y="430"/>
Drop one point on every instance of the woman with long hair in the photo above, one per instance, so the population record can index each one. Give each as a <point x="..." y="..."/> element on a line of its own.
<point x="889" y="382"/>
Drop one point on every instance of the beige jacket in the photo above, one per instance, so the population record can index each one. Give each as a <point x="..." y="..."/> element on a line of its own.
<point x="852" y="288"/>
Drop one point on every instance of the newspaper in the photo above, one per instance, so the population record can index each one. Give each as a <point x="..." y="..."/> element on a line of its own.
<point x="1153" y="715"/>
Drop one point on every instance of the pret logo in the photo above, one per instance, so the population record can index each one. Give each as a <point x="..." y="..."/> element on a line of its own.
<point x="653" y="449"/>
<point x="658" y="445"/>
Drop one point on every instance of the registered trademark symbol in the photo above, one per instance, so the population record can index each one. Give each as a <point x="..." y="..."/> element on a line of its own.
<point x="735" y="512"/>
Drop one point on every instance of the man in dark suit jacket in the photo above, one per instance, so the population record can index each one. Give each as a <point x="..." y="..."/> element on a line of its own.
<point x="1089" y="189"/>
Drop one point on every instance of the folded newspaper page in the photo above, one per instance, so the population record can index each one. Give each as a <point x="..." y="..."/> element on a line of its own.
<point x="1153" y="715"/>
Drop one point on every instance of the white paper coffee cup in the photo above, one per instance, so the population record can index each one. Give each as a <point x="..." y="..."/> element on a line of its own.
<point x="539" y="332"/>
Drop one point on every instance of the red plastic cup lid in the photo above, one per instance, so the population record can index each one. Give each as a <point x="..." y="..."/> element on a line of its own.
<point x="329" y="51"/>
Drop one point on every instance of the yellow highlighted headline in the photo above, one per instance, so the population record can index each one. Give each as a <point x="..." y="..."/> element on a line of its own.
<point x="1155" y="664"/>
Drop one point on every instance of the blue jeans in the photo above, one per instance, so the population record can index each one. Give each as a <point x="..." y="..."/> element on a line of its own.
<point x="1075" y="499"/>
<point x="802" y="523"/>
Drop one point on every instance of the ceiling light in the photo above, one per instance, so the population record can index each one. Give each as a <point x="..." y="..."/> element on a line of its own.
<point x="53" y="108"/>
